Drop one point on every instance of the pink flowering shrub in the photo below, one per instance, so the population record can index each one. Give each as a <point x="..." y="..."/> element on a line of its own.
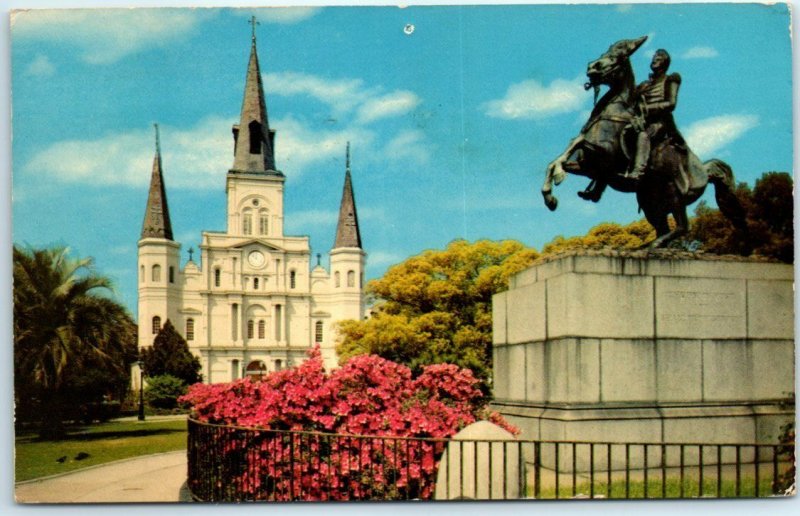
<point x="375" y="402"/>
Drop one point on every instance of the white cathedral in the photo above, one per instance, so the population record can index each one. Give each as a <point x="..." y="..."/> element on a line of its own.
<point x="253" y="304"/>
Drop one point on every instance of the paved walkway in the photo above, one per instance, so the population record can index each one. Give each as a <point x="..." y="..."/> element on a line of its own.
<point x="151" y="478"/>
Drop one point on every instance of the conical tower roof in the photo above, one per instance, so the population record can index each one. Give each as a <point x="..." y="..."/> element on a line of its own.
<point x="156" y="222"/>
<point x="254" y="152"/>
<point x="347" y="233"/>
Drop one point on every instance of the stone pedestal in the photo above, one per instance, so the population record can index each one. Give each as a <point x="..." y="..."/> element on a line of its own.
<point x="630" y="347"/>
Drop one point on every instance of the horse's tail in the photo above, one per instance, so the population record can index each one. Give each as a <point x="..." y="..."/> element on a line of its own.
<point x="720" y="175"/>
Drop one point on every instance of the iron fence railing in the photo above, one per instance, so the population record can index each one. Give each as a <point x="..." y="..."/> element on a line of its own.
<point x="233" y="464"/>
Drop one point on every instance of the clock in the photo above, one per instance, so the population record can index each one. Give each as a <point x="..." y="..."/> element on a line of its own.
<point x="256" y="259"/>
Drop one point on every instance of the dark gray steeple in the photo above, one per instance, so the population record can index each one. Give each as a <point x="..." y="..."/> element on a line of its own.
<point x="156" y="216"/>
<point x="347" y="233"/>
<point x="254" y="151"/>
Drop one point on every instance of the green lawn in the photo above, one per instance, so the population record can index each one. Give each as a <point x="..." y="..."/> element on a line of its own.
<point x="104" y="442"/>
<point x="672" y="489"/>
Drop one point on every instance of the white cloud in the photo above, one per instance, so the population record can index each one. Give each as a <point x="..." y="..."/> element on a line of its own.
<point x="40" y="67"/>
<point x="383" y="258"/>
<point x="370" y="212"/>
<point x="408" y="146"/>
<point x="700" y="53"/>
<point x="711" y="134"/>
<point x="196" y="158"/>
<point x="532" y="100"/>
<point x="355" y="106"/>
<point x="280" y="15"/>
<point x="192" y="158"/>
<point x="104" y="36"/>
<point x="299" y="147"/>
<point x="302" y="219"/>
<point x="624" y="8"/>
<point x="394" y="104"/>
<point x="343" y="95"/>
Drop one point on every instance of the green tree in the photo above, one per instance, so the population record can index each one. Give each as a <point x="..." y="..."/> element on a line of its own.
<point x="770" y="215"/>
<point x="170" y="355"/>
<point x="436" y="307"/>
<point x="62" y="324"/>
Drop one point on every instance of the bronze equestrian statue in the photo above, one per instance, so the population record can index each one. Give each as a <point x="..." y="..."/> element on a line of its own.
<point x="631" y="144"/>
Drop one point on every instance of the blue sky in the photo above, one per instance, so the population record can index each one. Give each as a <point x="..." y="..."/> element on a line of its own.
<point x="451" y="124"/>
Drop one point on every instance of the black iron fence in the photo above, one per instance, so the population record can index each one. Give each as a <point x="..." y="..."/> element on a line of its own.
<point x="242" y="464"/>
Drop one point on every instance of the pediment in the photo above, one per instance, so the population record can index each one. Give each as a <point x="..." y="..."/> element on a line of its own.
<point x="255" y="242"/>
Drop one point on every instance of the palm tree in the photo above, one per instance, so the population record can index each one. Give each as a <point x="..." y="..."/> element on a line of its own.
<point x="60" y="322"/>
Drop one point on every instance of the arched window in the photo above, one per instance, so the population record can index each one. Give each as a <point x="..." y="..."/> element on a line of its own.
<point x="336" y="279"/>
<point x="292" y="279"/>
<point x="262" y="328"/>
<point x="247" y="222"/>
<point x="141" y="274"/>
<point x="250" y="328"/>
<point x="278" y="365"/>
<point x="156" y="273"/>
<point x="263" y="222"/>
<point x="255" y="283"/>
<point x="318" y="332"/>
<point x="217" y="276"/>
<point x="351" y="278"/>
<point x="189" y="329"/>
<point x="172" y="274"/>
<point x="256" y="370"/>
<point x="156" y="324"/>
<point x="256" y="137"/>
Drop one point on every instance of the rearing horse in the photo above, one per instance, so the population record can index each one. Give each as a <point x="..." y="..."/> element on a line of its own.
<point x="676" y="177"/>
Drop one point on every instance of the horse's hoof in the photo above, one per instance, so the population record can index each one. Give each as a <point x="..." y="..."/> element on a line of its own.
<point x="589" y="195"/>
<point x="551" y="202"/>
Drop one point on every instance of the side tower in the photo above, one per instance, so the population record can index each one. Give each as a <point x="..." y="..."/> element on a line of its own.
<point x="159" y="258"/>
<point x="347" y="261"/>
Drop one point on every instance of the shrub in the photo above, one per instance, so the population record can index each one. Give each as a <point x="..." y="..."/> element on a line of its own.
<point x="164" y="390"/>
<point x="368" y="395"/>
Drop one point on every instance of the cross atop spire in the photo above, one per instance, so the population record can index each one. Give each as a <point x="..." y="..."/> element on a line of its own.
<point x="158" y="141"/>
<point x="253" y="22"/>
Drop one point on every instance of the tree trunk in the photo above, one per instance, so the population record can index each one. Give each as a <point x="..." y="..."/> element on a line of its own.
<point x="52" y="425"/>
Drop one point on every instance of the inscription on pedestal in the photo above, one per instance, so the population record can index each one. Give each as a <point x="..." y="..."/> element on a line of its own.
<point x="700" y="308"/>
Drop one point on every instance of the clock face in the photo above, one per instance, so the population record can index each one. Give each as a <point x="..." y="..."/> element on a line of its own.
<point x="256" y="259"/>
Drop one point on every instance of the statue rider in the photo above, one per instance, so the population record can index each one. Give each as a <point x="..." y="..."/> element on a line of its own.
<point x="658" y="96"/>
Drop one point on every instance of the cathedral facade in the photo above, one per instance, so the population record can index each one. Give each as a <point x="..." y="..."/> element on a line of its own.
<point x="253" y="304"/>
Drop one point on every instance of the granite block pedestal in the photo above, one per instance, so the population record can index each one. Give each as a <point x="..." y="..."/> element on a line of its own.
<point x="636" y="347"/>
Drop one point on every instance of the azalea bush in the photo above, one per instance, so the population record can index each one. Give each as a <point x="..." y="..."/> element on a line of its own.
<point x="368" y="396"/>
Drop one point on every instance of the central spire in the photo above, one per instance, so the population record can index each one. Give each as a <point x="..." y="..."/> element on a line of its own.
<point x="254" y="151"/>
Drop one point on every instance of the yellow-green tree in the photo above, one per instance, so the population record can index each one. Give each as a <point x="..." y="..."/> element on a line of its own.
<point x="436" y="307"/>
<point x="607" y="234"/>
